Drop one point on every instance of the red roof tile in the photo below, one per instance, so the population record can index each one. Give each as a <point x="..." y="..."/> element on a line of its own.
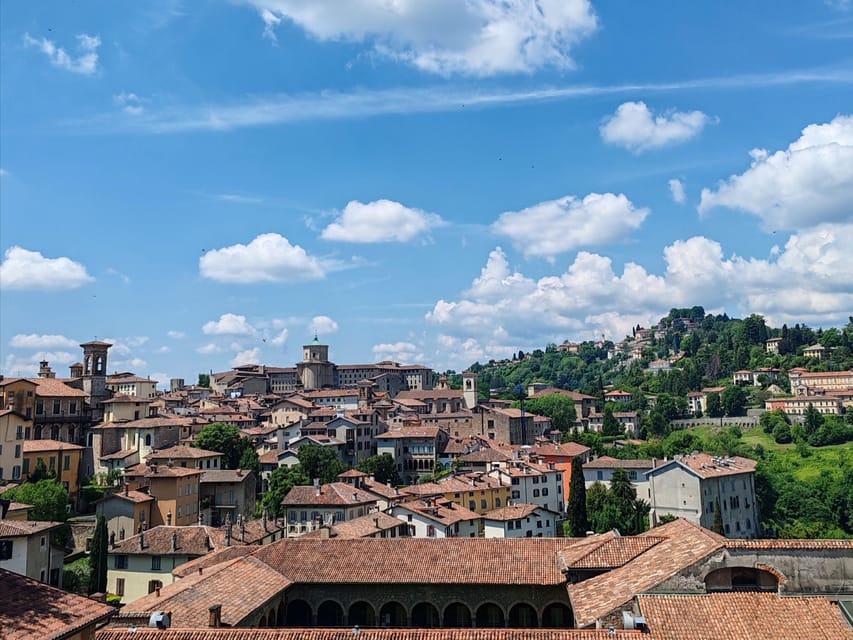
<point x="365" y="634"/>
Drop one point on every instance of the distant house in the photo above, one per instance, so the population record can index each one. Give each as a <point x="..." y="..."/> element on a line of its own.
<point x="601" y="470"/>
<point x="309" y="507"/>
<point x="227" y="494"/>
<point x="771" y="345"/>
<point x="629" y="421"/>
<point x="438" y="518"/>
<point x="520" y="521"/>
<point x="618" y="396"/>
<point x="816" y="351"/>
<point x="26" y="549"/>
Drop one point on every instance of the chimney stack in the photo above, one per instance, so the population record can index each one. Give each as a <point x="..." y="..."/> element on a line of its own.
<point x="174" y="541"/>
<point x="214" y="617"/>
<point x="126" y="488"/>
<point x="169" y="519"/>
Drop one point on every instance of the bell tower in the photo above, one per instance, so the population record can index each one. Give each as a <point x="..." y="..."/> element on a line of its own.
<point x="95" y="375"/>
<point x="469" y="389"/>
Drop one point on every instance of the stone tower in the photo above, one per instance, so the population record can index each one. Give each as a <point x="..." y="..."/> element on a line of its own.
<point x="95" y="376"/>
<point x="469" y="389"/>
<point x="315" y="371"/>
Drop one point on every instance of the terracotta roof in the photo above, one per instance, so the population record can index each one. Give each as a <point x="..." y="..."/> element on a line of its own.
<point x="485" y="455"/>
<point x="429" y="394"/>
<point x="34" y="446"/>
<point x="570" y="449"/>
<point x="706" y="466"/>
<point x="334" y="493"/>
<point x="523" y="561"/>
<point x="607" y="551"/>
<point x="353" y="473"/>
<point x="514" y="512"/>
<point x="189" y="541"/>
<point x="331" y="393"/>
<point x="181" y="452"/>
<point x="225" y="475"/>
<point x="17" y="528"/>
<point x="137" y="497"/>
<point x="685" y="544"/>
<point x="401" y="433"/>
<point x="443" y="512"/>
<point x="742" y="616"/>
<point x="365" y="634"/>
<point x="574" y="395"/>
<point x="119" y="455"/>
<point x="789" y="543"/>
<point x="118" y="378"/>
<point x="365" y="526"/>
<point x="33" y="610"/>
<point x="236" y="588"/>
<point x="152" y="423"/>
<point x="212" y="559"/>
<point x="270" y="457"/>
<point x="160" y="471"/>
<point x="53" y="388"/>
<point x="606" y="462"/>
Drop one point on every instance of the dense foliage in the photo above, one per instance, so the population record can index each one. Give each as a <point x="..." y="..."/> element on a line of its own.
<point x="48" y="497"/>
<point x="237" y="451"/>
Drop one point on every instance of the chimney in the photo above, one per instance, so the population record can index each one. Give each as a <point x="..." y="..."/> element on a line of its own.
<point x="264" y="519"/>
<point x="141" y="539"/>
<point x="126" y="488"/>
<point x="174" y="541"/>
<point x="376" y="521"/>
<point x="228" y="534"/>
<point x="157" y="592"/>
<point x="317" y="489"/>
<point x="214" y="616"/>
<point x="169" y="519"/>
<point x="113" y="539"/>
<point x="200" y="570"/>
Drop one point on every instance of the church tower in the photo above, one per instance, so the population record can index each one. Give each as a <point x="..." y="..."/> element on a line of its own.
<point x="315" y="371"/>
<point x="95" y="376"/>
<point x="469" y="389"/>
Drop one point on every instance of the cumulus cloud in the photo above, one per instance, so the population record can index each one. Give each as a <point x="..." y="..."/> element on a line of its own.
<point x="176" y="335"/>
<point x="43" y="341"/>
<point x="228" y="324"/>
<point x="806" y="184"/>
<point x="28" y="365"/>
<point x="23" y="269"/>
<point x="557" y="226"/>
<point x="322" y="325"/>
<point x="380" y="221"/>
<point x="810" y="279"/>
<point x="129" y="103"/>
<point x="249" y="356"/>
<point x="404" y="352"/>
<point x="281" y="339"/>
<point x="86" y="62"/>
<point x="634" y="127"/>
<point x="676" y="189"/>
<point x="208" y="348"/>
<point x="479" y="38"/>
<point x="268" y="258"/>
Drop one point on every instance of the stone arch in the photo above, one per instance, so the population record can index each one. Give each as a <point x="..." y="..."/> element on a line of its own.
<point x="769" y="568"/>
<point x="456" y="614"/>
<point x="363" y="614"/>
<point x="281" y="618"/>
<point x="490" y="615"/>
<point x="299" y="614"/>
<point x="741" y="579"/>
<point x="330" y="614"/>
<point x="557" y="616"/>
<point x="392" y="614"/>
<point x="425" y="616"/>
<point x="522" y="616"/>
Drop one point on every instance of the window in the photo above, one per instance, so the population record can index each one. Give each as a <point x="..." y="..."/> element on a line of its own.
<point x="538" y="524"/>
<point x="536" y="493"/>
<point x="39" y="407"/>
<point x="16" y="472"/>
<point x="155" y="564"/>
<point x="516" y="494"/>
<point x="120" y="586"/>
<point x="56" y="407"/>
<point x="535" y="479"/>
<point x="430" y="531"/>
<point x="19" y="432"/>
<point x="599" y="475"/>
<point x="17" y="451"/>
<point x="728" y="529"/>
<point x="472" y="505"/>
<point x="43" y="541"/>
<point x="153" y="585"/>
<point x="515" y="481"/>
<point x="497" y="502"/>
<point x="483" y="504"/>
<point x="179" y="512"/>
<point x="5" y="549"/>
<point x="72" y="408"/>
<point x="120" y="563"/>
<point x="544" y="491"/>
<point x="66" y="463"/>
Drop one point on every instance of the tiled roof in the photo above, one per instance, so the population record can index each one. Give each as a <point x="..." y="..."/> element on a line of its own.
<point x="685" y="545"/>
<point x="574" y="395"/>
<point x="402" y="433"/>
<point x="606" y="462"/>
<point x="789" y="543"/>
<point x="606" y="551"/>
<point x="443" y="512"/>
<point x="121" y="398"/>
<point x="705" y="466"/>
<point x="137" y="497"/>
<point x="35" y="446"/>
<point x="365" y="526"/>
<point x="152" y="423"/>
<point x="189" y="541"/>
<point x="570" y="449"/>
<point x="743" y="616"/>
<point x="235" y="585"/>
<point x="334" y="493"/>
<point x="180" y="452"/>
<point x="53" y="388"/>
<point x="353" y="473"/>
<point x="160" y="471"/>
<point x="429" y="394"/>
<point x="213" y="559"/>
<point x="119" y="378"/>
<point x="17" y="528"/>
<point x="514" y="512"/>
<point x="365" y="634"/>
<point x="331" y="393"/>
<point x="119" y="455"/>
<point x="485" y="455"/>
<point x="523" y="561"/>
<point x="33" y="610"/>
<point x="224" y="475"/>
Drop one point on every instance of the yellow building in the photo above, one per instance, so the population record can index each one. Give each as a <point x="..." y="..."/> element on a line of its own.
<point x="60" y="458"/>
<point x="13" y="426"/>
<point x="175" y="491"/>
<point x="480" y="494"/>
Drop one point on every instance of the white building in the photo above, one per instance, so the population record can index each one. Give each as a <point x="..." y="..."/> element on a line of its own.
<point x="533" y="483"/>
<point x="690" y="487"/>
<point x="601" y="470"/>
<point x="520" y="521"/>
<point x="438" y="518"/>
<point x="26" y="549"/>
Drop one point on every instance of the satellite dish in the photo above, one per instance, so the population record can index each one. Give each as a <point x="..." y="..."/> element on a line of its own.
<point x="160" y="620"/>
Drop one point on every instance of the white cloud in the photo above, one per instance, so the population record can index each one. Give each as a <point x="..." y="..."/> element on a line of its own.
<point x="676" y="189"/>
<point x="249" y="356"/>
<point x="23" y="269"/>
<point x="238" y="198"/>
<point x="209" y="348"/>
<point x="480" y="38"/>
<point x="557" y="226"/>
<point x="229" y="324"/>
<point x="163" y="379"/>
<point x="808" y="183"/>
<point x="268" y="258"/>
<point x="176" y="335"/>
<point x="809" y="280"/>
<point x="164" y="349"/>
<point x="28" y="366"/>
<point x="130" y="103"/>
<point x="404" y="352"/>
<point x="634" y="127"/>
<point x="130" y="364"/>
<point x="44" y="341"/>
<point x="86" y="62"/>
<point x="322" y="325"/>
<point x="281" y="339"/>
<point x="380" y="221"/>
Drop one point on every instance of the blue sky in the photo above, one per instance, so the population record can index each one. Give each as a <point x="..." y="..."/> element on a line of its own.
<point x="434" y="181"/>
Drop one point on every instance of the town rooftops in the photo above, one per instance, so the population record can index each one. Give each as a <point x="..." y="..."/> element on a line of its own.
<point x="137" y="497"/>
<point x="54" y="388"/>
<point x="316" y="633"/>
<point x="574" y="395"/>
<point x="160" y="471"/>
<point x="568" y="449"/>
<point x="182" y="452"/>
<point x="33" y="610"/>
<point x="162" y="421"/>
<point x="170" y="541"/>
<point x="362" y="527"/>
<point x="485" y="455"/>
<point x="606" y="462"/>
<point x="36" y="446"/>
<point x="606" y="551"/>
<point x="401" y="433"/>
<point x="121" y="398"/>
<point x="513" y="512"/>
<point x="707" y="466"/>
<point x="18" y="528"/>
<point x="224" y="475"/>
<point x="443" y="512"/>
<point x="334" y="493"/>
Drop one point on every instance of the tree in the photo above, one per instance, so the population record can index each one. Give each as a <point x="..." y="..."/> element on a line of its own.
<point x="281" y="481"/>
<point x="733" y="400"/>
<point x="715" y="407"/>
<point x="578" y="523"/>
<point x="98" y="558"/>
<point x="225" y="439"/>
<point x="320" y="462"/>
<point x="48" y="497"/>
<point x="717" y="527"/>
<point x="596" y="499"/>
<point x="560" y="408"/>
<point x="610" y="426"/>
<point x="812" y="420"/>
<point x="204" y="380"/>
<point x="383" y="469"/>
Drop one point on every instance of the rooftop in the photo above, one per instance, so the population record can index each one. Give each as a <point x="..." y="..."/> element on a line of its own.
<point x="334" y="493"/>
<point x="36" y="446"/>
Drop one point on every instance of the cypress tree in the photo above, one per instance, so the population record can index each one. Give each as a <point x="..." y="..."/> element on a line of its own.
<point x="98" y="558"/>
<point x="576" y="508"/>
